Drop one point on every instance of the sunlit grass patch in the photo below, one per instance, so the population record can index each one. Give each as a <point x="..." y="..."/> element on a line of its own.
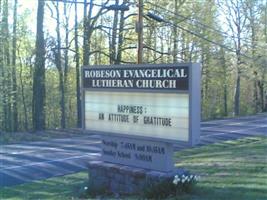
<point x="230" y="170"/>
<point x="65" y="187"/>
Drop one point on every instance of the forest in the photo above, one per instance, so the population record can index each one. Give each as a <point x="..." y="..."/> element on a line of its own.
<point x="45" y="43"/>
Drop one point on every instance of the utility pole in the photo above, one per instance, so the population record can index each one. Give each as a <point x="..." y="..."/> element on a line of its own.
<point x="139" y="29"/>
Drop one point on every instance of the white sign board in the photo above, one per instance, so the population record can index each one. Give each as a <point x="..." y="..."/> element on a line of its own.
<point x="153" y="115"/>
<point x="153" y="102"/>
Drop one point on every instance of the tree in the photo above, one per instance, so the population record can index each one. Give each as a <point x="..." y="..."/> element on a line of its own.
<point x="77" y="67"/>
<point x="112" y="46"/>
<point x="2" y="114"/>
<point x="14" y="72"/>
<point x="89" y="26"/>
<point x="5" y="63"/>
<point x="66" y="57"/>
<point x="120" y="40"/>
<point x="60" y="69"/>
<point x="233" y="54"/>
<point x="25" y="51"/>
<point x="38" y="101"/>
<point x="175" y="30"/>
<point x="87" y="32"/>
<point x="236" y="20"/>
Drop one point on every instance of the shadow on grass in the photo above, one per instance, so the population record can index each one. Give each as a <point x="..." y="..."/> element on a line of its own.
<point x="66" y="187"/>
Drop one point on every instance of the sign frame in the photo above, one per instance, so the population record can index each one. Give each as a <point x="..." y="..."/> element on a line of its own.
<point x="194" y="89"/>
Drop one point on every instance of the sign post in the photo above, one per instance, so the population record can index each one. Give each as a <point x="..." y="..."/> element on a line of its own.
<point x="142" y="110"/>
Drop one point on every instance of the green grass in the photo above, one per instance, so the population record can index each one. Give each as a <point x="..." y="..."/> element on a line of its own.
<point x="231" y="170"/>
<point x="65" y="187"/>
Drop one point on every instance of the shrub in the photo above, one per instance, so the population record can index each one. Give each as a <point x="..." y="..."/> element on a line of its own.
<point x="184" y="183"/>
<point x="180" y="184"/>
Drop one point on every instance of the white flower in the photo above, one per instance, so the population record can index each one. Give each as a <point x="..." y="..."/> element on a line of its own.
<point x="191" y="177"/>
<point x="175" y="181"/>
<point x="176" y="176"/>
<point x="196" y="178"/>
<point x="183" y="180"/>
<point x="85" y="188"/>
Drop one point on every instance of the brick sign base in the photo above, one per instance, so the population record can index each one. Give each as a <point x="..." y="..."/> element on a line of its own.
<point x="122" y="179"/>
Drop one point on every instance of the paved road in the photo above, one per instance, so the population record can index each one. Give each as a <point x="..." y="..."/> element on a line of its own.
<point x="25" y="162"/>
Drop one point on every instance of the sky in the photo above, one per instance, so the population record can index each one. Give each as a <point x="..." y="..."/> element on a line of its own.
<point x="49" y="23"/>
<point x="28" y="4"/>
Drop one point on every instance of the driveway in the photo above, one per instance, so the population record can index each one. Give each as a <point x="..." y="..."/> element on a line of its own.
<point x="26" y="162"/>
<point x="30" y="161"/>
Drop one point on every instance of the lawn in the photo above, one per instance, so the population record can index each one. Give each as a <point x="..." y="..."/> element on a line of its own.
<point x="230" y="170"/>
<point x="57" y="188"/>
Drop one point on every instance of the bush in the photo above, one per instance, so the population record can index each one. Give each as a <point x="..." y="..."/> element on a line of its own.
<point x="92" y="192"/>
<point x="180" y="184"/>
<point x="184" y="183"/>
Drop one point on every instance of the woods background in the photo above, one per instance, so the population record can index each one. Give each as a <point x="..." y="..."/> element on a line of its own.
<point x="43" y="47"/>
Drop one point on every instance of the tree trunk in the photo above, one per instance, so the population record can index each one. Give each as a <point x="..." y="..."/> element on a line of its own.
<point x="162" y="50"/>
<point x="237" y="88"/>
<point x="264" y="99"/>
<point x="77" y="58"/>
<point x="2" y="115"/>
<point x="251" y="12"/>
<point x="60" y="71"/>
<point x="264" y="107"/>
<point x="85" y="36"/>
<point x="87" y="32"/>
<point x="66" y="59"/>
<point x="39" y="73"/>
<point x="237" y="95"/>
<point x="236" y="20"/>
<point x="14" y="76"/>
<point x="120" y="41"/>
<point x="62" y="100"/>
<point x="6" y="70"/>
<point x="114" y="36"/>
<point x="25" y="112"/>
<point x="155" y="45"/>
<point x="175" y="35"/>
<point x="225" y="96"/>
<point x="149" y="44"/>
<point x="225" y="100"/>
<point x="183" y="52"/>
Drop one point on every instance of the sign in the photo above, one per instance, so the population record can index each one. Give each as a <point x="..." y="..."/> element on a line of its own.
<point x="153" y="102"/>
<point x="162" y="116"/>
<point x="140" y="153"/>
<point x="149" y="78"/>
<point x="141" y="110"/>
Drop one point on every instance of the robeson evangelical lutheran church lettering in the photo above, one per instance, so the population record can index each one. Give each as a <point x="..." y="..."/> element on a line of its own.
<point x="170" y="78"/>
